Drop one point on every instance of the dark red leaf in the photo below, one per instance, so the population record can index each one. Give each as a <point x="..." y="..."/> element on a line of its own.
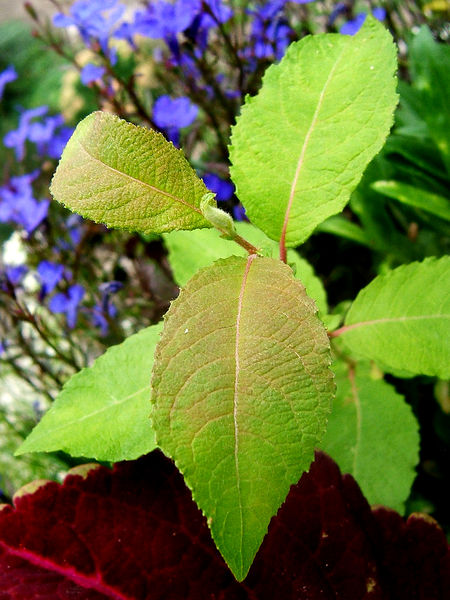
<point x="134" y="533"/>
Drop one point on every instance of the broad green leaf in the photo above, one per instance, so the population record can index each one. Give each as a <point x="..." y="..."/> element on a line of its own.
<point x="402" y="319"/>
<point x="414" y="196"/>
<point x="241" y="392"/>
<point x="300" y="146"/>
<point x="190" y="251"/>
<point x="373" y="435"/>
<point x="430" y="65"/>
<point x="103" y="411"/>
<point x="128" y="177"/>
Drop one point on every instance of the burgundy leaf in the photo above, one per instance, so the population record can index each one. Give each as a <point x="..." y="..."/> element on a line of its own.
<point x="134" y="533"/>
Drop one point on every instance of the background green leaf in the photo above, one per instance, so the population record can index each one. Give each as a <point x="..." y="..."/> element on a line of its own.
<point x="241" y="392"/>
<point x="373" y="435"/>
<point x="402" y="319"/>
<point x="190" y="251"/>
<point x="430" y="66"/>
<point x="128" y="177"/>
<point x="301" y="145"/>
<point x="414" y="196"/>
<point x="103" y="411"/>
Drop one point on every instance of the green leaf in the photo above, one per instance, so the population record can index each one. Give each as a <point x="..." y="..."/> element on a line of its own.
<point x="413" y="196"/>
<point x="430" y="65"/>
<point x="128" y="177"/>
<point x="402" y="319"/>
<point x="373" y="435"/>
<point x="103" y="411"/>
<point x="301" y="145"/>
<point x="241" y="392"/>
<point x="193" y="250"/>
<point x="342" y="227"/>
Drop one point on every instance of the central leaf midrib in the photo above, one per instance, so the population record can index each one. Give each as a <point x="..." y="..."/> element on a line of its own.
<point x="139" y="181"/>
<point x="236" y="398"/>
<point x="399" y="319"/>
<point x="304" y="148"/>
<point x="90" y="582"/>
<point x="357" y="402"/>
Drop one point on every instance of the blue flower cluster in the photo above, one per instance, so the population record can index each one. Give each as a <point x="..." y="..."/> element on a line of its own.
<point x="49" y="134"/>
<point x="18" y="204"/>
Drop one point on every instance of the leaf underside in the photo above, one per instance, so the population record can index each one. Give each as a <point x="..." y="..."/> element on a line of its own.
<point x="300" y="146"/>
<point x="241" y="392"/>
<point x="402" y="319"/>
<point x="128" y="177"/>
<point x="103" y="411"/>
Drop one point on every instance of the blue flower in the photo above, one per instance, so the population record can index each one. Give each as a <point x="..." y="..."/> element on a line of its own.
<point x="50" y="275"/>
<point x="18" y="205"/>
<point x="354" y="25"/>
<point x="105" y="309"/>
<point x="338" y="9"/>
<point x="49" y="135"/>
<point x="90" y="73"/>
<point x="68" y="303"/>
<point x="221" y="13"/>
<point x="16" y="139"/>
<point x="223" y="189"/>
<point x="239" y="213"/>
<point x="6" y="76"/>
<point x="58" y="141"/>
<point x="172" y="114"/>
<point x="14" y="275"/>
<point x="94" y="19"/>
<point x="162" y="19"/>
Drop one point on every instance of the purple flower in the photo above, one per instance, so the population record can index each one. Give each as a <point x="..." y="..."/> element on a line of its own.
<point x="42" y="133"/>
<point x="90" y="73"/>
<point x="16" y="139"/>
<point x="68" y="303"/>
<point x="379" y="13"/>
<point x="100" y="317"/>
<point x="220" y="11"/>
<point x="223" y="189"/>
<point x="49" y="135"/>
<point x="50" y="275"/>
<point x="6" y="76"/>
<point x="162" y="19"/>
<point x="94" y="19"/>
<point x="105" y="309"/>
<point x="239" y="213"/>
<point x="18" y="205"/>
<point x="172" y="114"/>
<point x="15" y="274"/>
<point x="354" y="25"/>
<point x="58" y="141"/>
<point x="339" y="8"/>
